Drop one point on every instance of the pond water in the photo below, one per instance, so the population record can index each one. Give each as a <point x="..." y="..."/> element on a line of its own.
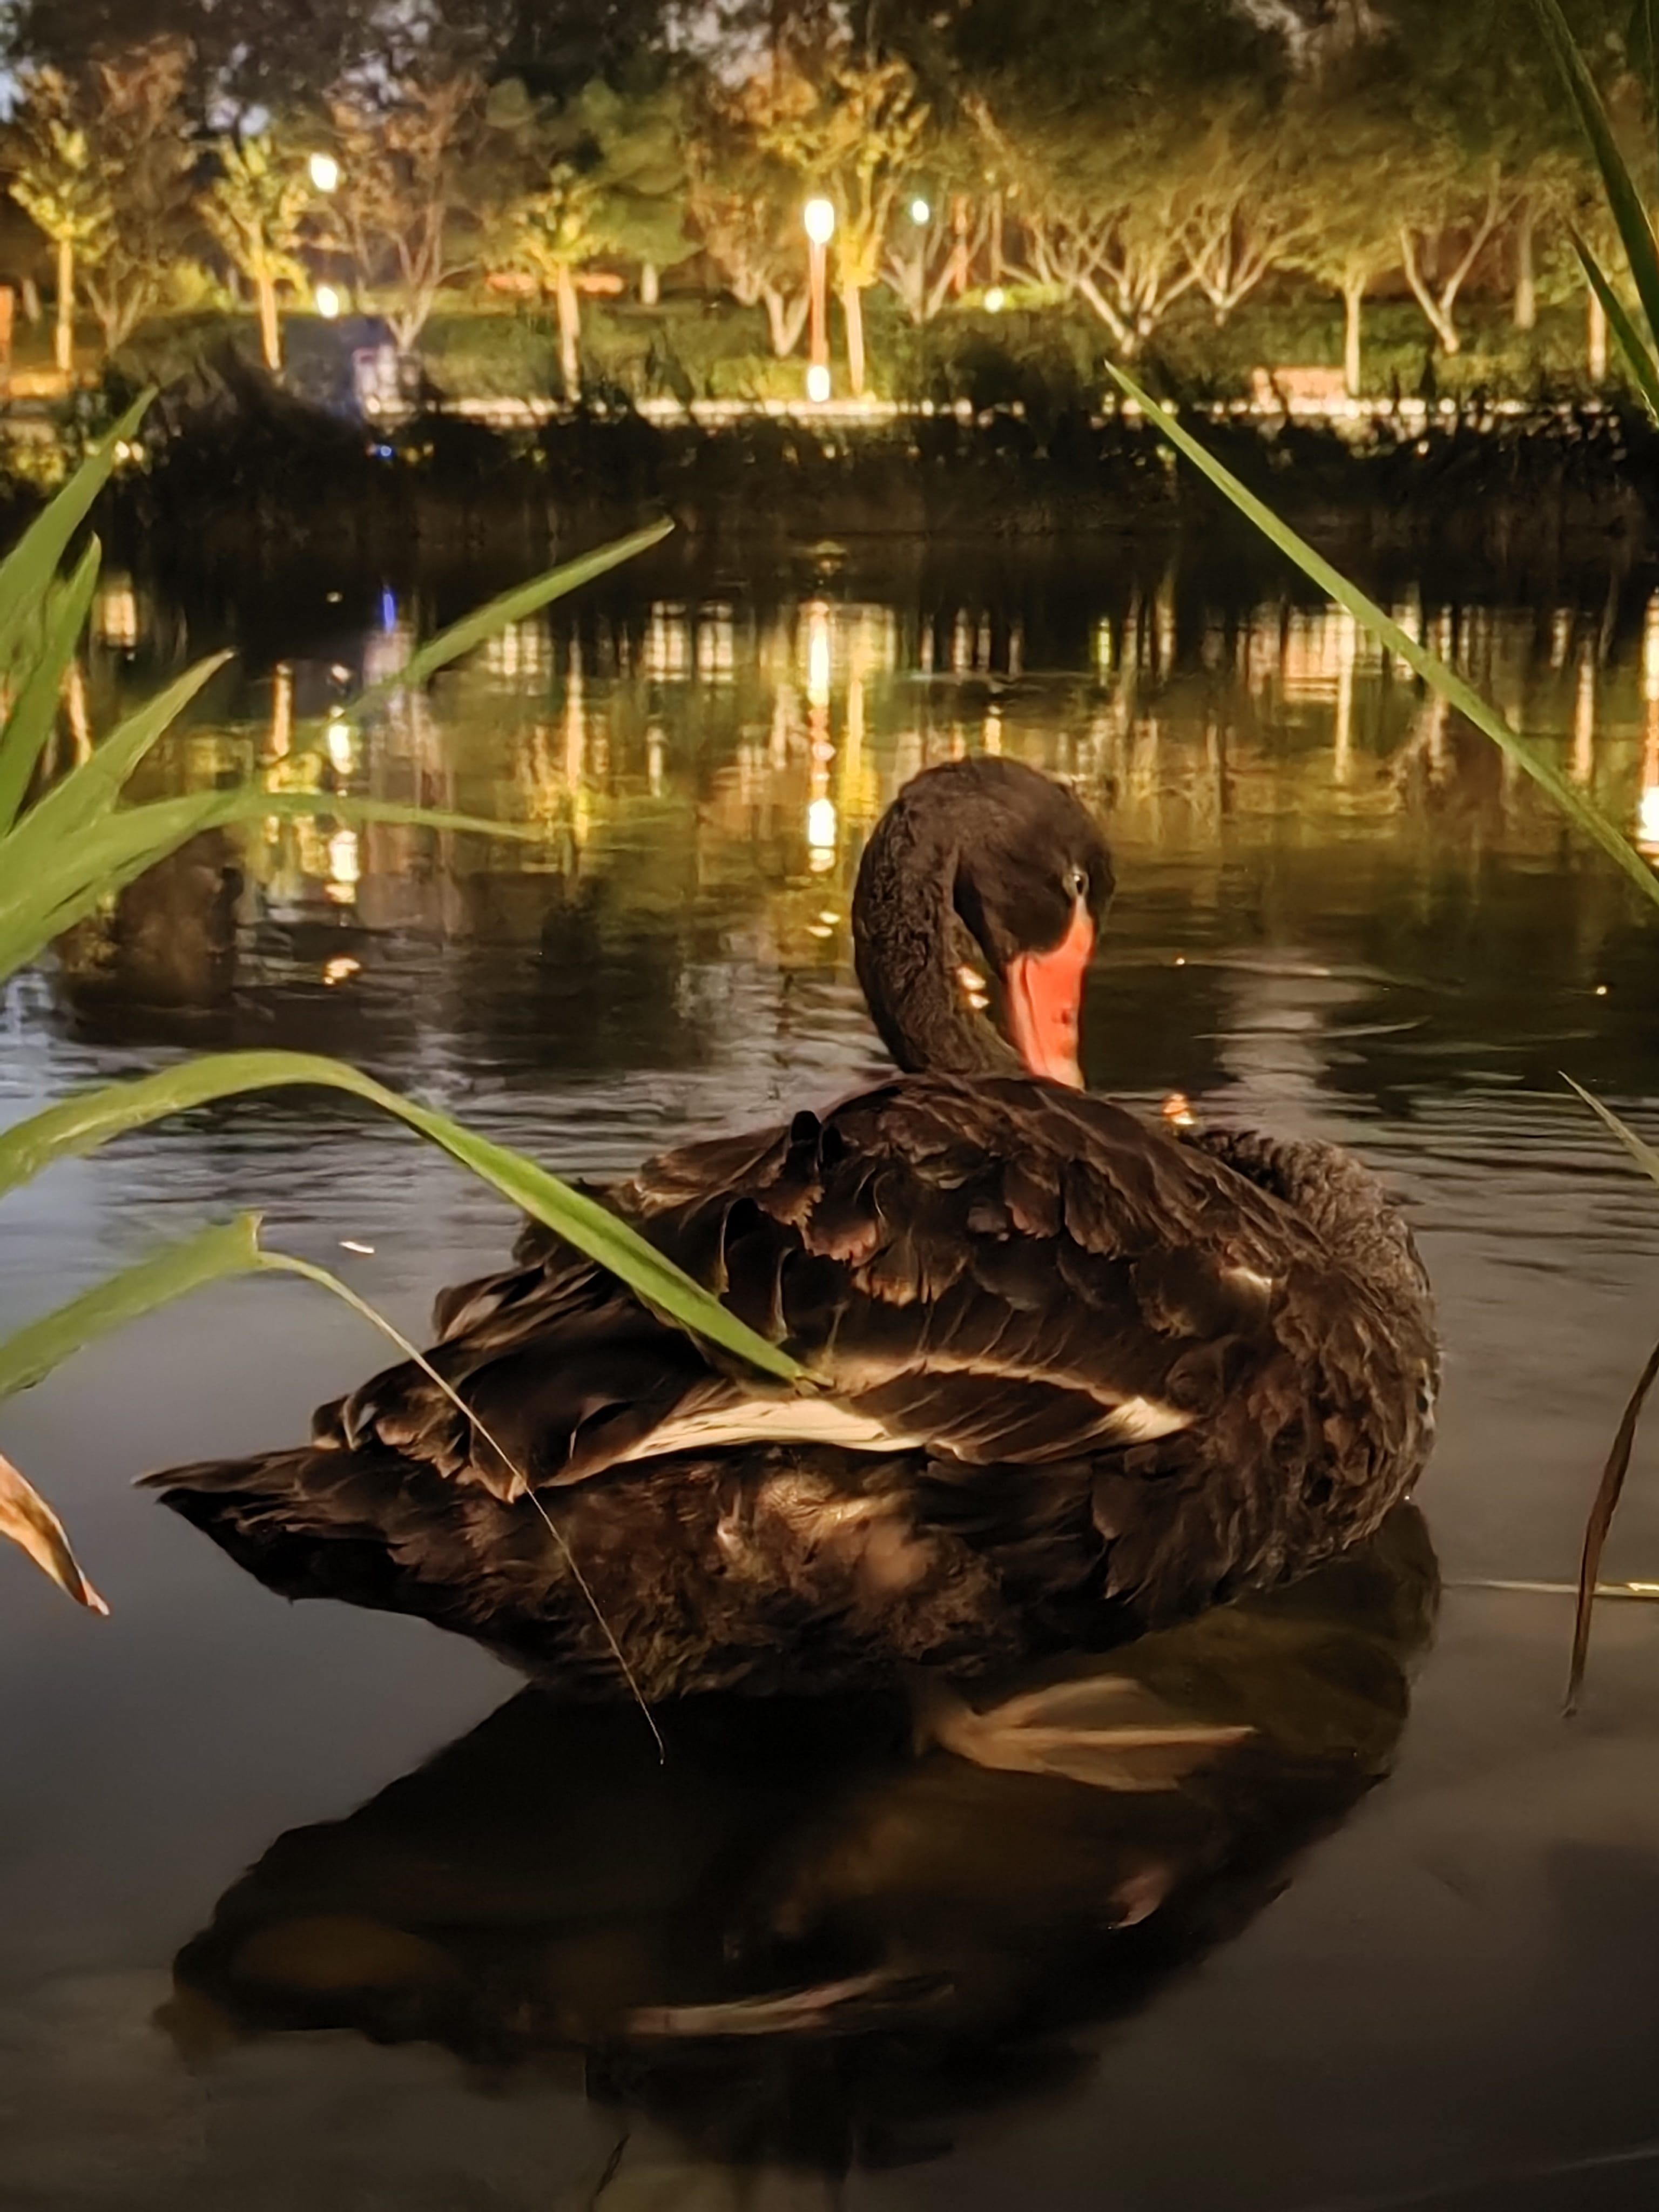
<point x="1400" y="1955"/>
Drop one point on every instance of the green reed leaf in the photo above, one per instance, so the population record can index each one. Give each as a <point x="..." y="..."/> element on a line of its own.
<point x="1573" y="803"/>
<point x="33" y="717"/>
<point x="1624" y="201"/>
<point x="32" y="1351"/>
<point x="516" y="605"/>
<point x="82" y="1124"/>
<point x="27" y="572"/>
<point x="1639" y="357"/>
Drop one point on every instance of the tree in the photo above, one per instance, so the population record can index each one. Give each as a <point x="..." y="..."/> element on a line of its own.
<point x="1102" y="210"/>
<point x="60" y="185"/>
<point x="1241" y="214"/>
<point x="408" y="144"/>
<point x="551" y="236"/>
<point x="856" y="140"/>
<point x="744" y="200"/>
<point x="269" y="54"/>
<point x="140" y="138"/>
<point x="1340" y="163"/>
<point x="257" y="208"/>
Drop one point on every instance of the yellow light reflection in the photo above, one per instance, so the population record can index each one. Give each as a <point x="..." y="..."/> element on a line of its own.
<point x="342" y="746"/>
<point x="345" y="867"/>
<point x="818" y="654"/>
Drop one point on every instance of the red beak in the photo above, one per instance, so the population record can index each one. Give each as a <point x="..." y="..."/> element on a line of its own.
<point x="1045" y="1002"/>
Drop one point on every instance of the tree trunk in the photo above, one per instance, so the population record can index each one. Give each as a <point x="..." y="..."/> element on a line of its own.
<point x="785" y="320"/>
<point x="270" y="330"/>
<point x="570" y="334"/>
<point x="1352" y="297"/>
<point x="1596" y="338"/>
<point x="63" y="339"/>
<point x="852" y="306"/>
<point x="1525" y="315"/>
<point x="650" y="284"/>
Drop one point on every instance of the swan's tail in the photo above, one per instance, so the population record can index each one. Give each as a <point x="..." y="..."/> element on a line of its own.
<point x="1103" y="1729"/>
<point x="321" y="1521"/>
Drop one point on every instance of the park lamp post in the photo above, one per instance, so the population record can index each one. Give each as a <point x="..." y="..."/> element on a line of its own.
<point x="818" y="216"/>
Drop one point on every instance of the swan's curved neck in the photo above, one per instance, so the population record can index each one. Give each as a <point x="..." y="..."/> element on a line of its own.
<point x="910" y="945"/>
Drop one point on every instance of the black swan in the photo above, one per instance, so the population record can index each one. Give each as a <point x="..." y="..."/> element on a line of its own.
<point x="1086" y="1374"/>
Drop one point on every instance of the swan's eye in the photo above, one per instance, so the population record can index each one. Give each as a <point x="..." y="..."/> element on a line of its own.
<point x="1077" y="883"/>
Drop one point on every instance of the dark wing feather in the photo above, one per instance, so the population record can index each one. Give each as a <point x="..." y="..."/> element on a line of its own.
<point x="1011" y="1274"/>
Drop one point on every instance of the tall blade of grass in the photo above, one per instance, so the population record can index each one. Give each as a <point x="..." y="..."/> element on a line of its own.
<point x="1611" y="1486"/>
<point x="33" y="717"/>
<point x="1608" y="1491"/>
<point x="31" y="1352"/>
<point x="28" y="569"/>
<point x="1640" y="357"/>
<point x="286" y="1263"/>
<point x="1624" y="202"/>
<point x="1643" y="1154"/>
<point x="29" y="1523"/>
<point x="115" y="852"/>
<point x="1645" y="22"/>
<point x="229" y="1248"/>
<point x="516" y="605"/>
<point x="91" y="789"/>
<point x="81" y="1125"/>
<point x="57" y="823"/>
<point x="1450" y="686"/>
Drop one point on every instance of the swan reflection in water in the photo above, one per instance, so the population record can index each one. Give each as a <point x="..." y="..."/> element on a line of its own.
<point x="795" y="1939"/>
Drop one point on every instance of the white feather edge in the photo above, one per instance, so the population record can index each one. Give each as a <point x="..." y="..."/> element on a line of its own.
<point x="822" y="1421"/>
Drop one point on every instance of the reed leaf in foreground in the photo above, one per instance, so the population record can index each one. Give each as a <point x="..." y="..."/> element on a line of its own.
<point x="82" y="1124"/>
<point x="211" y="1255"/>
<point x="1624" y="200"/>
<point x="1612" y="1484"/>
<point x="1573" y="803"/>
<point x="499" y="614"/>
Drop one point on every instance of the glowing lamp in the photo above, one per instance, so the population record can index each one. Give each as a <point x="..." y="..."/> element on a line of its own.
<point x="995" y="299"/>
<point x="920" y="211"/>
<point x="819" y="217"/>
<point x="328" y="302"/>
<point x="817" y="383"/>
<point x="324" y="172"/>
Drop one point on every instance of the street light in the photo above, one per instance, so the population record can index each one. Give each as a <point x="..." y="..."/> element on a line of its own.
<point x="920" y="213"/>
<point x="818" y="216"/>
<point x="325" y="173"/>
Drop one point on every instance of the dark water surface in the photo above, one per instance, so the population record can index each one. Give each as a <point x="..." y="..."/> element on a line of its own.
<point x="1398" y="1951"/>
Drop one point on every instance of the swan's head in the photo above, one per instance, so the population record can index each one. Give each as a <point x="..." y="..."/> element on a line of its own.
<point x="978" y="902"/>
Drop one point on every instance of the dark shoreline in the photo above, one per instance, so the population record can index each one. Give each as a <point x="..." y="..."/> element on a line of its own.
<point x="1513" y="504"/>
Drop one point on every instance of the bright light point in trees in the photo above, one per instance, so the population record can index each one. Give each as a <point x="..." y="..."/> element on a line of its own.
<point x="328" y="302"/>
<point x="819" y="217"/>
<point x="995" y="299"/>
<point x="821" y="825"/>
<point x="817" y="383"/>
<point x="325" y="173"/>
<point x="920" y="211"/>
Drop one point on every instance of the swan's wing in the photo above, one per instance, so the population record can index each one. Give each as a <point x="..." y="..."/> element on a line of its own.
<point x="996" y="1271"/>
<point x="1000" y="1269"/>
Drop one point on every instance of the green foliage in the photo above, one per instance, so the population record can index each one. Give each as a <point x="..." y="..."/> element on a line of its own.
<point x="65" y="847"/>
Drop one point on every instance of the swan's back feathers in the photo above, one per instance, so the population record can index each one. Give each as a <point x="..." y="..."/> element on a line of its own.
<point x="1001" y="1275"/>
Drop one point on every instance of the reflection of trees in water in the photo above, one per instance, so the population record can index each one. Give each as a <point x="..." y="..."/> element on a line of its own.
<point x="707" y="751"/>
<point x="795" y="1939"/>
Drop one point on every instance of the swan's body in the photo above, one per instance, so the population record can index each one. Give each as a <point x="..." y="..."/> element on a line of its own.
<point x="1083" y="1374"/>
